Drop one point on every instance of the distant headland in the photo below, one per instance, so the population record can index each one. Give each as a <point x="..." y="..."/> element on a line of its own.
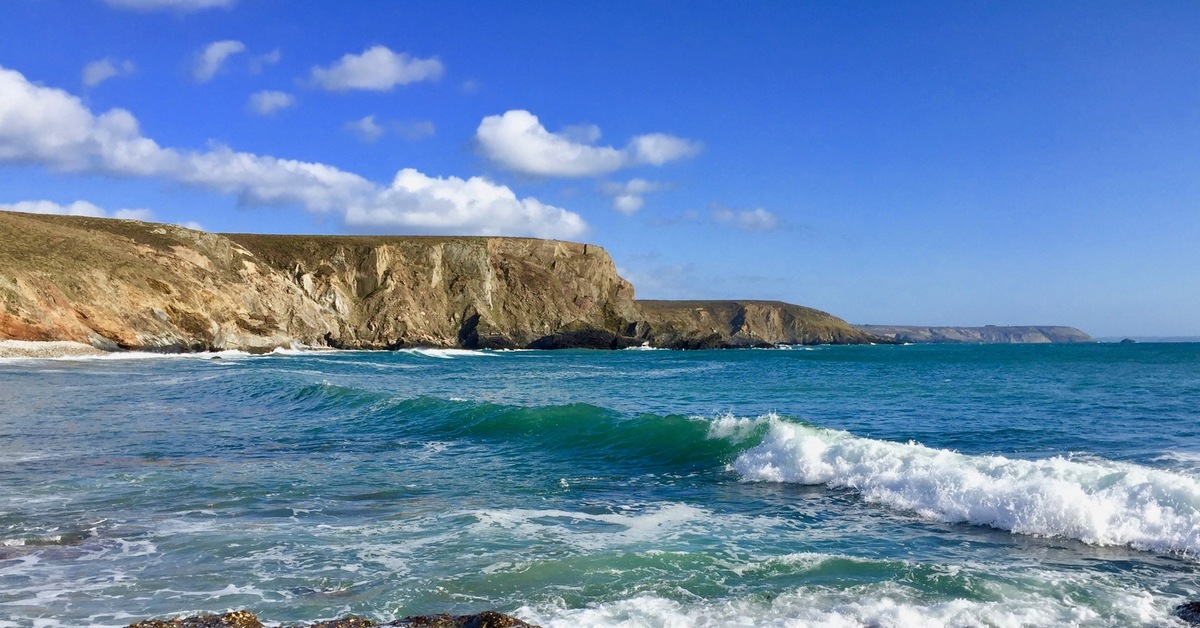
<point x="131" y="285"/>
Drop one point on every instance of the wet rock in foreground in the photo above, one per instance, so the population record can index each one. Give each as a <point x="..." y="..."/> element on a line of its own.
<point x="1189" y="612"/>
<point x="246" y="619"/>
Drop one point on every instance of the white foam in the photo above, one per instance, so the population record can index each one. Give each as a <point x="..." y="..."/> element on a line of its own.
<point x="737" y="429"/>
<point x="1096" y="501"/>
<point x="446" y="354"/>
<point x="656" y="525"/>
<point x="887" y="604"/>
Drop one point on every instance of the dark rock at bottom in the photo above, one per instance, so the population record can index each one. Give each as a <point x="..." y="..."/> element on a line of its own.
<point x="1189" y="612"/>
<point x="246" y="619"/>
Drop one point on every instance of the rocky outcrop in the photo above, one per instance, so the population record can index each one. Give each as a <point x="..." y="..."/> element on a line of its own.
<point x="246" y="619"/>
<point x="990" y="334"/>
<point x="720" y="324"/>
<point x="120" y="284"/>
<point x="390" y="292"/>
<point x="123" y="284"/>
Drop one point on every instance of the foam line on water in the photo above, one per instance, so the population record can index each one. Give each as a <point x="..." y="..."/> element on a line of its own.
<point x="885" y="604"/>
<point x="446" y="354"/>
<point x="1097" y="501"/>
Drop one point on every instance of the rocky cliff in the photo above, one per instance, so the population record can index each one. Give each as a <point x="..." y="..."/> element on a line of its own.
<point x="713" y="324"/>
<point x="122" y="284"/>
<point x="979" y="335"/>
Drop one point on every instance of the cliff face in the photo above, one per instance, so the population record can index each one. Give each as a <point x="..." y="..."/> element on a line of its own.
<point x="386" y="292"/>
<point x="712" y="324"/>
<point x="134" y="285"/>
<point x="127" y="284"/>
<point x="116" y="283"/>
<point x="989" y="334"/>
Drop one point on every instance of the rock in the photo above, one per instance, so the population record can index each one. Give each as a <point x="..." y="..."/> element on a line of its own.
<point x="730" y="324"/>
<point x="1189" y="612"/>
<point x="486" y="619"/>
<point x="990" y="334"/>
<point x="346" y="622"/>
<point x="246" y="619"/>
<point x="1128" y="341"/>
<point x="235" y="619"/>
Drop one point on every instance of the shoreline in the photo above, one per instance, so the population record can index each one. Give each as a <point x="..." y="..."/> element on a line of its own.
<point x="42" y="349"/>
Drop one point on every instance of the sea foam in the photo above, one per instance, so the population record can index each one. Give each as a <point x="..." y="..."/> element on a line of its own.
<point x="885" y="604"/>
<point x="1097" y="501"/>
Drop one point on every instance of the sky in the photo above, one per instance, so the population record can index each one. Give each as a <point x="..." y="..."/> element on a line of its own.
<point x="924" y="163"/>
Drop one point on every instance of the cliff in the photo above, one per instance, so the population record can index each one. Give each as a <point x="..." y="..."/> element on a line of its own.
<point x="713" y="324"/>
<point x="979" y="335"/>
<point x="123" y="284"/>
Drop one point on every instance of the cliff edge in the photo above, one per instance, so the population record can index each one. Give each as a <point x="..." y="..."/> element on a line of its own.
<point x="124" y="284"/>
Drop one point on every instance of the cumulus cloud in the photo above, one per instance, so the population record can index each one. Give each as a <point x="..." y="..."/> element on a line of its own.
<point x="209" y="62"/>
<point x="170" y="5"/>
<point x="267" y="102"/>
<point x="49" y="127"/>
<point x="78" y="208"/>
<point x="377" y="69"/>
<point x="366" y="129"/>
<point x="757" y="219"/>
<point x="627" y="197"/>
<point x="97" y="72"/>
<point x="517" y="141"/>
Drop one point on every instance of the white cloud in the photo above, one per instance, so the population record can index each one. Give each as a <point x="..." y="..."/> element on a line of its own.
<point x="627" y="197"/>
<point x="49" y="127"/>
<point x="517" y="141"/>
<point x="748" y="220"/>
<point x="209" y="62"/>
<point x="267" y="102"/>
<point x="259" y="62"/>
<point x="366" y="129"/>
<point x="175" y="5"/>
<point x="97" y="72"/>
<point x="78" y="208"/>
<point x="369" y="130"/>
<point x="657" y="149"/>
<point x="377" y="69"/>
<point x="418" y="200"/>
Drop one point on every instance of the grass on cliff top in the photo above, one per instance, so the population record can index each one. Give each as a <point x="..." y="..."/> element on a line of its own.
<point x="72" y="240"/>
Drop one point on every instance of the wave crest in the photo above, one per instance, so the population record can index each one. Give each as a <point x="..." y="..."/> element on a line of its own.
<point x="1096" y="501"/>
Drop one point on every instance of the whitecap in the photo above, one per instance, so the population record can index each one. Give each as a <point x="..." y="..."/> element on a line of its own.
<point x="1096" y="501"/>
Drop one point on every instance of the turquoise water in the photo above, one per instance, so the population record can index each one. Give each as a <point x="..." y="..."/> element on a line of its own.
<point x="827" y="486"/>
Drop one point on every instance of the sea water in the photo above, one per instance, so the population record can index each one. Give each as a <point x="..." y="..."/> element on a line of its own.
<point x="820" y="486"/>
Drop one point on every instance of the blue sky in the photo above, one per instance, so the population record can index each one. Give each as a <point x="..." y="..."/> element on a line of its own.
<point x="959" y="163"/>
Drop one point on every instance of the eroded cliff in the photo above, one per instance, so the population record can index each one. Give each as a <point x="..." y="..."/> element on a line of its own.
<point x="129" y="284"/>
<point x="122" y="284"/>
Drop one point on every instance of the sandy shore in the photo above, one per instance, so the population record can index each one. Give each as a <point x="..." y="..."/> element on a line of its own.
<point x="54" y="349"/>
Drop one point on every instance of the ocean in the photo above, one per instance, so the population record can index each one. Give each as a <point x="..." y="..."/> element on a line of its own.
<point x="1004" y="485"/>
